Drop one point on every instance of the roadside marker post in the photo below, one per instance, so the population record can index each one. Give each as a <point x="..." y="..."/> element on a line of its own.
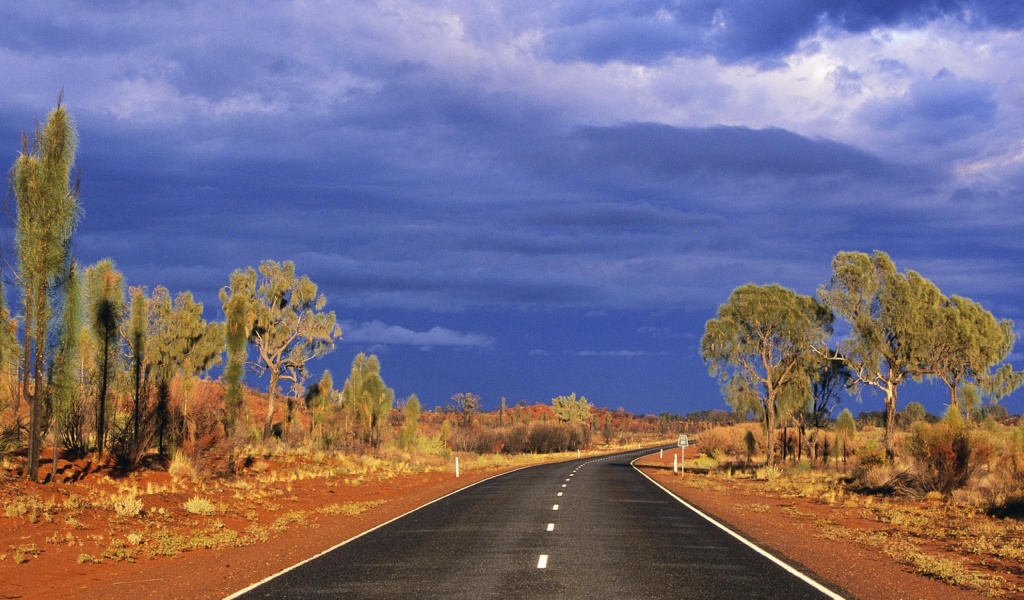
<point x="683" y="443"/>
<point x="456" y="467"/>
<point x="661" y="453"/>
<point x="675" y="464"/>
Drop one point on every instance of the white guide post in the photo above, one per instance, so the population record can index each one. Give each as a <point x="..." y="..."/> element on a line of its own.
<point x="675" y="464"/>
<point x="456" y="466"/>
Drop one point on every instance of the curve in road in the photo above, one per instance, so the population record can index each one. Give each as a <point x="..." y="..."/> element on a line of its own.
<point x="591" y="528"/>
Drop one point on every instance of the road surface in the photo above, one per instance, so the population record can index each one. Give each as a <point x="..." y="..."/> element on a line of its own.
<point x="591" y="528"/>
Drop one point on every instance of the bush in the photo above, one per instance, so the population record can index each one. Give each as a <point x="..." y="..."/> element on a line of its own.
<point x="714" y="442"/>
<point x="942" y="455"/>
<point x="128" y="505"/>
<point x="548" y="437"/>
<point x="199" y="506"/>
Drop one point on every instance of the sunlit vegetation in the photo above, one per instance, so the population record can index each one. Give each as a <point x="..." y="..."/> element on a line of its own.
<point x="98" y="369"/>
<point x="949" y="506"/>
<point x="783" y="372"/>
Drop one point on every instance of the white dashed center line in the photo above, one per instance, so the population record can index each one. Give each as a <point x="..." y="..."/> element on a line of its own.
<point x="559" y="493"/>
<point x="555" y="507"/>
<point x="551" y="526"/>
<point x="542" y="562"/>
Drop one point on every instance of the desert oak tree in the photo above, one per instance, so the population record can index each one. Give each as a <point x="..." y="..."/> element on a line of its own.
<point x="47" y="215"/>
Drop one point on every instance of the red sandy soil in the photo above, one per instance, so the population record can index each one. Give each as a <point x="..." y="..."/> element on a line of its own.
<point x="203" y="573"/>
<point x="786" y="527"/>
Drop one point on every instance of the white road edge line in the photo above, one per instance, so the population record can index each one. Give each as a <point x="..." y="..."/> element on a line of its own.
<point x="253" y="586"/>
<point x="749" y="543"/>
<point x="542" y="562"/>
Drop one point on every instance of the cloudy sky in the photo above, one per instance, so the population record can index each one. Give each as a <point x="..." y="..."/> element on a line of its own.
<point x="529" y="198"/>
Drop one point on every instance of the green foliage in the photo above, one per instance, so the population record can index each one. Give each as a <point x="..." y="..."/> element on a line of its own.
<point x="181" y="343"/>
<point x="47" y="215"/>
<point x="68" y="408"/>
<point x="410" y="428"/>
<point x="106" y="303"/>
<point x="132" y="438"/>
<point x="912" y="413"/>
<point x="759" y="347"/>
<point x="945" y="454"/>
<point x="967" y="345"/>
<point x="367" y="399"/>
<point x="845" y="428"/>
<point x="570" y="410"/>
<point x="236" y="331"/>
<point x="892" y="316"/>
<point x="285" y="322"/>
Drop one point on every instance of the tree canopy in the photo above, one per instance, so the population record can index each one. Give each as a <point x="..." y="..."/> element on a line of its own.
<point x="759" y="346"/>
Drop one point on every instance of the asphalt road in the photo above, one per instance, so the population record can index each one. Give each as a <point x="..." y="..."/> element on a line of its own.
<point x="592" y="528"/>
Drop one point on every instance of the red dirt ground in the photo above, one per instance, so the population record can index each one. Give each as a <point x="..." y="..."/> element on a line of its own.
<point x="203" y="573"/>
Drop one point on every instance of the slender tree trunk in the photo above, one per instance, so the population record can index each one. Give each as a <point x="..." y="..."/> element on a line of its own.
<point x="890" y="421"/>
<point x="271" y="397"/>
<point x="770" y="423"/>
<point x="35" y="399"/>
<point x="954" y="399"/>
<point x="162" y="396"/>
<point x="101" y="420"/>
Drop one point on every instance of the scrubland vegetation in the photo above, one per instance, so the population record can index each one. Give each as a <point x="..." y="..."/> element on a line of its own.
<point x="935" y="488"/>
<point x="94" y="367"/>
<point x="949" y="506"/>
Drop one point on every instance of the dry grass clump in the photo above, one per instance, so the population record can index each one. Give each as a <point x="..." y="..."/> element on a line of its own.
<point x="182" y="467"/>
<point x="199" y="506"/>
<point x="127" y="505"/>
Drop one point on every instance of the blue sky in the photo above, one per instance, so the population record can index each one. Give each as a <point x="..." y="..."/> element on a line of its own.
<point x="527" y="199"/>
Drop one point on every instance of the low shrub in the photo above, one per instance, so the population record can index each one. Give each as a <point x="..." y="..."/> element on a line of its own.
<point x="198" y="505"/>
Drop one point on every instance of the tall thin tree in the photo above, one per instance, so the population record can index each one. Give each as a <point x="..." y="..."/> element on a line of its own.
<point x="47" y="214"/>
<point x="106" y="311"/>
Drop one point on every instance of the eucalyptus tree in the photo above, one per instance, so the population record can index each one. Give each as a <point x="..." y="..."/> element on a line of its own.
<point x="180" y="342"/>
<point x="367" y="399"/>
<point x="759" y="346"/>
<point x="105" y="291"/>
<point x="285" y="322"/>
<point x="47" y="215"/>
<point x="969" y="346"/>
<point x="893" y="318"/>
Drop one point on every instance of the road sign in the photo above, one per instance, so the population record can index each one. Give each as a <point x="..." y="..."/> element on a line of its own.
<point x="683" y="442"/>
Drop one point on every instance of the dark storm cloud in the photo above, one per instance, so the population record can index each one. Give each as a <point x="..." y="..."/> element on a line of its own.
<point x="671" y="151"/>
<point x="737" y="30"/>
